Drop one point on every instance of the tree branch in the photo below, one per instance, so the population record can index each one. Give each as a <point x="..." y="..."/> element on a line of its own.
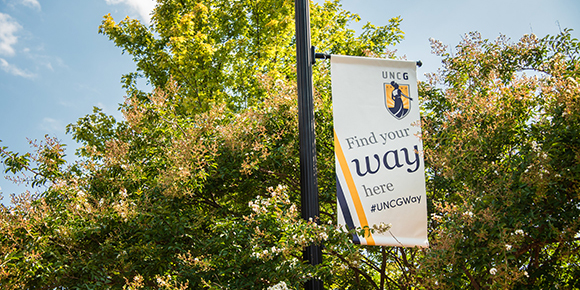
<point x="357" y="270"/>
<point x="383" y="266"/>
<point x="474" y="283"/>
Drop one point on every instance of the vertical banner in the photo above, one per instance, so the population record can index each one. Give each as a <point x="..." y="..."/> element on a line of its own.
<point x="380" y="174"/>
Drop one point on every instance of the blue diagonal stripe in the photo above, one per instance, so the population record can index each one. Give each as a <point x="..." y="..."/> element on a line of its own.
<point x="345" y="211"/>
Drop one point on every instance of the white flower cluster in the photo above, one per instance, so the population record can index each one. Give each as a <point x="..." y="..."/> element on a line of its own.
<point x="265" y="254"/>
<point x="124" y="208"/>
<point x="293" y="209"/>
<point x="83" y="203"/>
<point x="280" y="189"/>
<point x="382" y="227"/>
<point x="161" y="282"/>
<point x="259" y="206"/>
<point x="301" y="239"/>
<point x="278" y="194"/>
<point x="280" y="286"/>
<point x="123" y="192"/>
<point x="436" y="216"/>
<point x="519" y="232"/>
<point x="260" y="255"/>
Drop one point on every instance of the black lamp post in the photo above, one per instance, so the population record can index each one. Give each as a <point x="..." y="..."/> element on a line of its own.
<point x="308" y="171"/>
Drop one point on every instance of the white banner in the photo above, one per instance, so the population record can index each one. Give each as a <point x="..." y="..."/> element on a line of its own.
<point x="379" y="155"/>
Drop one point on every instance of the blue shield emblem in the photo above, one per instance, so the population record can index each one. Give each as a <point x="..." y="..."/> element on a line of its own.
<point x="397" y="99"/>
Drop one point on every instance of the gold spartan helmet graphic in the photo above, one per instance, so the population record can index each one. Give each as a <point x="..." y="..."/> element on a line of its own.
<point x="397" y="99"/>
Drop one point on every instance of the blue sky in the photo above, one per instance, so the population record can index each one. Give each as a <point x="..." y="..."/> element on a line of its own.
<point x="54" y="66"/>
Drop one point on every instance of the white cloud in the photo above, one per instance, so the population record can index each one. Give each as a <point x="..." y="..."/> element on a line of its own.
<point x="51" y="125"/>
<point x="34" y="4"/>
<point x="8" y="27"/>
<point x="48" y="62"/>
<point x="31" y="3"/>
<point x="13" y="70"/>
<point x="142" y="7"/>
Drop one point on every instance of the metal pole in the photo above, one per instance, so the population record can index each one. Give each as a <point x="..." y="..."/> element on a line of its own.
<point x="308" y="172"/>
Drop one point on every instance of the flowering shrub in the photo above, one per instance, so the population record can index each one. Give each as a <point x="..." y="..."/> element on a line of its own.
<point x="503" y="164"/>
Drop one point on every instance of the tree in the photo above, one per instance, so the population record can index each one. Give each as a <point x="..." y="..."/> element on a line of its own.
<point x="174" y="196"/>
<point x="502" y="145"/>
<point x="216" y="50"/>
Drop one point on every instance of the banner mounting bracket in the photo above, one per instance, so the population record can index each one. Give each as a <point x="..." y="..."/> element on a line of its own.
<point x="314" y="55"/>
<point x="320" y="55"/>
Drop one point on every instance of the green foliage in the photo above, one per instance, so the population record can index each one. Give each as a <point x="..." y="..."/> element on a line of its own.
<point x="502" y="150"/>
<point x="198" y="186"/>
<point x="46" y="164"/>
<point x="216" y="51"/>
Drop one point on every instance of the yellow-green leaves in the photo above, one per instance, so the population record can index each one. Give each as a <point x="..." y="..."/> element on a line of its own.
<point x="216" y="50"/>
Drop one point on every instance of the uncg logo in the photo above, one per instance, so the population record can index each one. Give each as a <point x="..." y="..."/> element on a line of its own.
<point x="397" y="99"/>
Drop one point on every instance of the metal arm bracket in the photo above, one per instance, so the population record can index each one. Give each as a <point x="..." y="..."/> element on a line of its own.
<point x="314" y="55"/>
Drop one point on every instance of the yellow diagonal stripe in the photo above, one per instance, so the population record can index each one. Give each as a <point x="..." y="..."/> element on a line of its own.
<point x="352" y="189"/>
